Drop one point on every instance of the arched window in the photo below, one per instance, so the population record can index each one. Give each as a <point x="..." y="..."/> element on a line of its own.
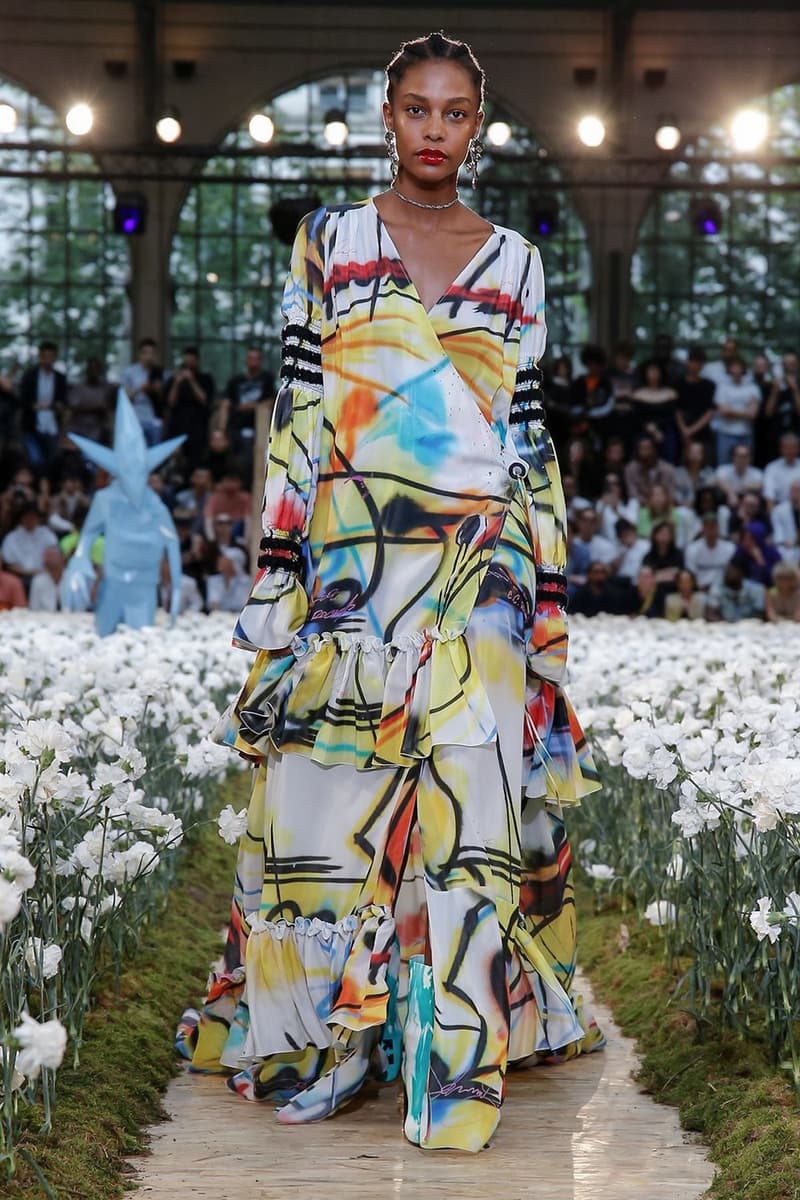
<point x="719" y="250"/>
<point x="65" y="273"/>
<point x="228" y="265"/>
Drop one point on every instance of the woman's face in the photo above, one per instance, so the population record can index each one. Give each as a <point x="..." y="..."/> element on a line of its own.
<point x="658" y="499"/>
<point x="652" y="376"/>
<point x="434" y="113"/>
<point x="663" y="538"/>
<point x="685" y="584"/>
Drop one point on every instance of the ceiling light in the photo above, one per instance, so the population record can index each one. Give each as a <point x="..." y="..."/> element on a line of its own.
<point x="168" y="126"/>
<point x="80" y="119"/>
<point x="591" y="130"/>
<point x="749" y="129"/>
<point x="335" y="130"/>
<point x="498" y="133"/>
<point x="262" y="128"/>
<point x="8" y="118"/>
<point x="668" y="135"/>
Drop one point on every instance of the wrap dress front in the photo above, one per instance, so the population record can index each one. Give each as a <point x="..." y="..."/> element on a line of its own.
<point x="408" y="625"/>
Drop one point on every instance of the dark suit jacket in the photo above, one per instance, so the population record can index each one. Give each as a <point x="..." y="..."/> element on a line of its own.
<point x="28" y="393"/>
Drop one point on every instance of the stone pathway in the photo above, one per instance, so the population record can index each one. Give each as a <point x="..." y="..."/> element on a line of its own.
<point x="582" y="1131"/>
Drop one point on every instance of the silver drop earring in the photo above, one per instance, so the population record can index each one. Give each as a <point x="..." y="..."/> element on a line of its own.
<point x="473" y="158"/>
<point x="391" y="149"/>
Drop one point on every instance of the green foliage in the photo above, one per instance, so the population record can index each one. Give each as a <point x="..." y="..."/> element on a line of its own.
<point x="65" y="272"/>
<point x="745" y="281"/>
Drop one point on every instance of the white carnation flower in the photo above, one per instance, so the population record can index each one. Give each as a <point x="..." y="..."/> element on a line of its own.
<point x="48" y="956"/>
<point x="660" y="912"/>
<point x="600" y="872"/>
<point x="38" y="737"/>
<point x="761" y="923"/>
<point x="232" y="825"/>
<point x="10" y="901"/>
<point x="40" y="1045"/>
<point x="16" y="868"/>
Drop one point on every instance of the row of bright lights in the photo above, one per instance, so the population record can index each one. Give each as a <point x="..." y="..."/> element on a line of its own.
<point x="749" y="128"/>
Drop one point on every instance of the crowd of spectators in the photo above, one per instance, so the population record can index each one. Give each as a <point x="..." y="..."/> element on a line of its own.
<point x="46" y="485"/>
<point x="682" y="483"/>
<point x="681" y="477"/>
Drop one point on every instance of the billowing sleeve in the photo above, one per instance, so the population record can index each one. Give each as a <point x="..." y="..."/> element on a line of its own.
<point x="278" y="602"/>
<point x="547" y="648"/>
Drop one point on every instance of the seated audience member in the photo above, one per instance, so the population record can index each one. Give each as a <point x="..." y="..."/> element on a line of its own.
<point x="614" y="457"/>
<point x="23" y="548"/>
<point x="695" y="406"/>
<point x="786" y="526"/>
<point x="573" y="501"/>
<point x="193" y="499"/>
<point x="782" y="409"/>
<point x="599" y="593"/>
<point x="89" y="404"/>
<point x="664" y="558"/>
<point x="44" y="594"/>
<point x="761" y="373"/>
<point x="191" y="600"/>
<point x="751" y="507"/>
<point x="654" y="411"/>
<point x="686" y="602"/>
<point x="739" y="475"/>
<point x="659" y="507"/>
<point x="622" y="375"/>
<point x="631" y="551"/>
<point x="736" y="598"/>
<point x="229" y="497"/>
<point x="755" y="554"/>
<point x="710" y="500"/>
<point x="228" y="589"/>
<point x="736" y="401"/>
<point x="647" y="469"/>
<point x="646" y="601"/>
<point x="612" y="507"/>
<point x="783" y="598"/>
<point x="781" y="473"/>
<point x="12" y="593"/>
<point x="70" y="496"/>
<point x="693" y="473"/>
<point x="557" y="402"/>
<point x="664" y="355"/>
<point x="587" y="546"/>
<point x="220" y="458"/>
<point x="709" y="554"/>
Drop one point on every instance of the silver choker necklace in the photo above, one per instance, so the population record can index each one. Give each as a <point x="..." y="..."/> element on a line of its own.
<point x="419" y="203"/>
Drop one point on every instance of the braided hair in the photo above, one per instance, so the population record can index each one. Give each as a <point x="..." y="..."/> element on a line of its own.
<point x="434" y="48"/>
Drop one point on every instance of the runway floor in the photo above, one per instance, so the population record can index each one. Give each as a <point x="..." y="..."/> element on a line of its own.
<point x="582" y="1131"/>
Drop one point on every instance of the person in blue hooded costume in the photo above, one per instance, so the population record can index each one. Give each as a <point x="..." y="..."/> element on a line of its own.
<point x="137" y="527"/>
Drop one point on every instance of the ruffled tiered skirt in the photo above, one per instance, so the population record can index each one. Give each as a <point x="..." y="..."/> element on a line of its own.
<point x="345" y="874"/>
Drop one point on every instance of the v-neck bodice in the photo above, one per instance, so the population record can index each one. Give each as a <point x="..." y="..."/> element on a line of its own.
<point x="384" y="233"/>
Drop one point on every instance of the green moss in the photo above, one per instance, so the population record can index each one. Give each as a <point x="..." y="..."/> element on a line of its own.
<point x="725" y="1088"/>
<point x="127" y="1057"/>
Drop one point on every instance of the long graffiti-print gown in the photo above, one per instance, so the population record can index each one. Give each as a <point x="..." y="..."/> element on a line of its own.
<point x="417" y="747"/>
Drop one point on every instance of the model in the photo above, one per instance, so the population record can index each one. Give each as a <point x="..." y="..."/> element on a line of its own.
<point x="402" y="890"/>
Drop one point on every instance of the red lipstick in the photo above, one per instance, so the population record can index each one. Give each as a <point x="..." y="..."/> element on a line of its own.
<point x="433" y="157"/>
